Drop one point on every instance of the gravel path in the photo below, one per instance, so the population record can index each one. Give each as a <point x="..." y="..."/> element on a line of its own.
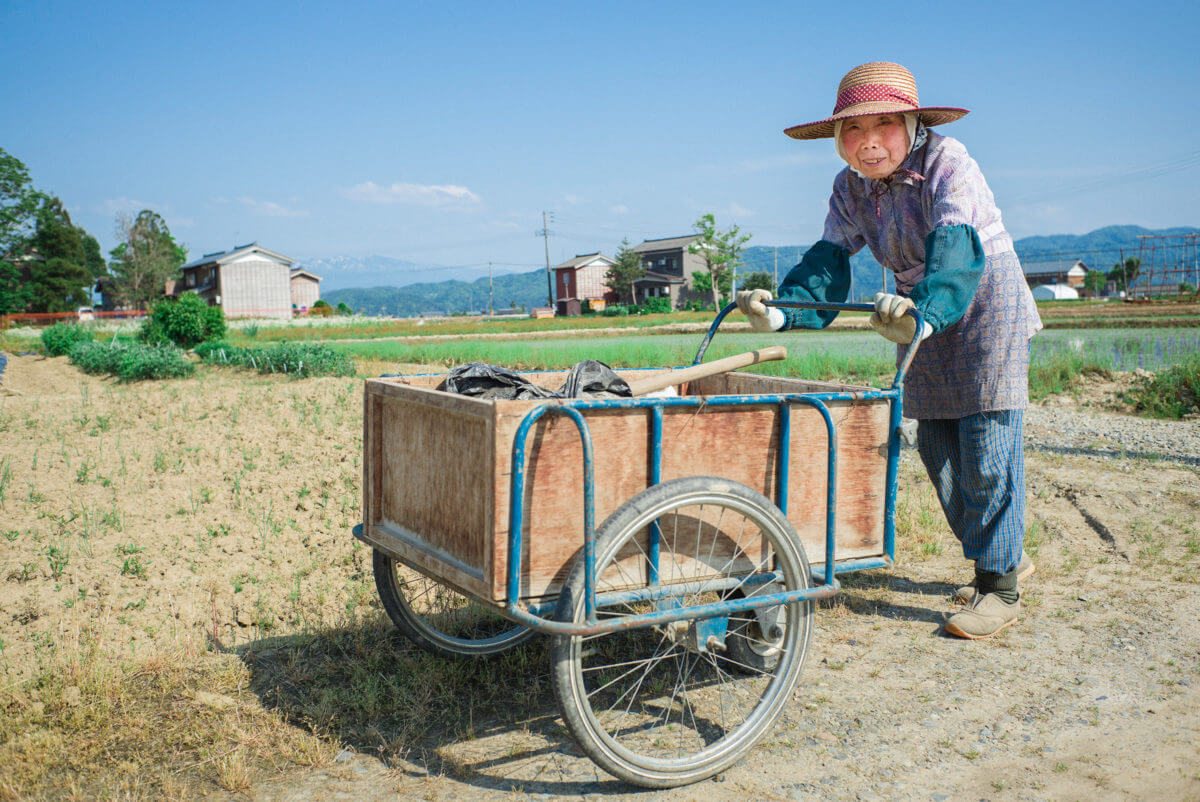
<point x="1104" y="434"/>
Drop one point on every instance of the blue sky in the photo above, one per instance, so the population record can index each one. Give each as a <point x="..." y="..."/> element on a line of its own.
<point x="439" y="133"/>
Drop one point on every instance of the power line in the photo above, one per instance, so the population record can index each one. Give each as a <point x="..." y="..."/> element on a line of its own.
<point x="1179" y="163"/>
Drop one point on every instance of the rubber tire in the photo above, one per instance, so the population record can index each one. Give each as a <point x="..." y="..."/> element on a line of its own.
<point x="423" y="633"/>
<point x="572" y="696"/>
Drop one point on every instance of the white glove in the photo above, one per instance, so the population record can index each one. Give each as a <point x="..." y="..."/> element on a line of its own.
<point x="889" y="319"/>
<point x="761" y="316"/>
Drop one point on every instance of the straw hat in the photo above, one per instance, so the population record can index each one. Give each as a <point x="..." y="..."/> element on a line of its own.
<point x="880" y="87"/>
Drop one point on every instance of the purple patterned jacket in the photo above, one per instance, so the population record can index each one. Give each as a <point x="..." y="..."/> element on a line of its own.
<point x="981" y="363"/>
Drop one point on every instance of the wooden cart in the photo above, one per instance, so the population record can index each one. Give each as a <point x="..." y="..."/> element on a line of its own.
<point x="681" y="623"/>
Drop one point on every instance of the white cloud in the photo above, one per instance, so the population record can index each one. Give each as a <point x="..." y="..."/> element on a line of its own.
<point x="734" y="210"/>
<point x="271" y="209"/>
<point x="573" y="200"/>
<point x="620" y="208"/>
<point x="114" y="206"/>
<point x="183" y="222"/>
<point x="420" y="194"/>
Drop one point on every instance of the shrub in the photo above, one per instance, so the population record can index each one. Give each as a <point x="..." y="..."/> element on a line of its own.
<point x="320" y="309"/>
<point x="1172" y="393"/>
<point x="61" y="337"/>
<point x="344" y="309"/>
<point x="186" y="322"/>
<point x="97" y="358"/>
<point x="615" y="310"/>
<point x="132" y="361"/>
<point x="655" y="306"/>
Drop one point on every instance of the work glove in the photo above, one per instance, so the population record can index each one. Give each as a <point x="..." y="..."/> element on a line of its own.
<point x="889" y="319"/>
<point x="761" y="316"/>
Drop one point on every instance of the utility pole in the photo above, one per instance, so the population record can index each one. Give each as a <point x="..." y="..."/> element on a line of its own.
<point x="491" y="310"/>
<point x="1124" y="273"/>
<point x="545" y="234"/>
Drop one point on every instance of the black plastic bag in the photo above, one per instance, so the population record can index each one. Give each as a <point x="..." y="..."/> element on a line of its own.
<point x="482" y="380"/>
<point x="594" y="379"/>
<point x="587" y="379"/>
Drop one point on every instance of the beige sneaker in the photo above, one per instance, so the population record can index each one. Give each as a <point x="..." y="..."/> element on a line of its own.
<point x="984" y="617"/>
<point x="1025" y="569"/>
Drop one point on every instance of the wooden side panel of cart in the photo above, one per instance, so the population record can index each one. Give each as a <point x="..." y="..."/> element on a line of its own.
<point x="437" y="474"/>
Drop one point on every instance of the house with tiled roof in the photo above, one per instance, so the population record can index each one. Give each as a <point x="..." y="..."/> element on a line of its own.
<point x="669" y="266"/>
<point x="250" y="281"/>
<point x="579" y="280"/>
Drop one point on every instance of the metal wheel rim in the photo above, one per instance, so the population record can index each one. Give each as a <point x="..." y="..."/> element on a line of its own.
<point x="419" y="620"/>
<point x="784" y="675"/>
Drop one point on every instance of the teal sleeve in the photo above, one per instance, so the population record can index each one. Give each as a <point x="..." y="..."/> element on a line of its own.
<point x="823" y="275"/>
<point x="954" y="262"/>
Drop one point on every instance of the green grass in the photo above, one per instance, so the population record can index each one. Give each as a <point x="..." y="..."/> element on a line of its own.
<point x="1059" y="372"/>
<point x="1172" y="393"/>
<point x="824" y="357"/>
<point x="298" y="360"/>
<point x="1059" y="359"/>
<point x="410" y="327"/>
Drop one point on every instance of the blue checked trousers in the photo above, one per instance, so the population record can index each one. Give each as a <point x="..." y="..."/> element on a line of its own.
<point x="977" y="466"/>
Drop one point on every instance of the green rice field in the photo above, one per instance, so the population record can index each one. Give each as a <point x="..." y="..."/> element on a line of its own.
<point x="810" y="354"/>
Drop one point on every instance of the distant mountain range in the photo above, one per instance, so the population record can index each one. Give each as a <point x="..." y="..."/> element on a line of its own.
<point x="341" y="272"/>
<point x="380" y="285"/>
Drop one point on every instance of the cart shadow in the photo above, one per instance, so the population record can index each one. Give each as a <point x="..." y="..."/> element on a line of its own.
<point x="860" y="595"/>
<point x="491" y="724"/>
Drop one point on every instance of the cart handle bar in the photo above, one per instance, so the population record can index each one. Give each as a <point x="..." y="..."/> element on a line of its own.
<point x="901" y="370"/>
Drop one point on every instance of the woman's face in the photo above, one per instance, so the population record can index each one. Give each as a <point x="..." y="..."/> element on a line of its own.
<point x="875" y="144"/>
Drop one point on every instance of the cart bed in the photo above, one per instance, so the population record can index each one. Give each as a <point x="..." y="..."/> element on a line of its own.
<point x="438" y="466"/>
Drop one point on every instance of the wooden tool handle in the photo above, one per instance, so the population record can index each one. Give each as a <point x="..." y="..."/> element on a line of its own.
<point x="673" y="377"/>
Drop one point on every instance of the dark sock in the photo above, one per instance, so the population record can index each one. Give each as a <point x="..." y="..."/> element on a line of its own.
<point x="1003" y="585"/>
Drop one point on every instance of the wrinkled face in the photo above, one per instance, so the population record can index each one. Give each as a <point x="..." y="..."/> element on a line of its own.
<point x="875" y="144"/>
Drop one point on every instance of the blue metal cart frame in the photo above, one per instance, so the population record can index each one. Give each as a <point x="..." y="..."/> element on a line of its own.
<point x="537" y="616"/>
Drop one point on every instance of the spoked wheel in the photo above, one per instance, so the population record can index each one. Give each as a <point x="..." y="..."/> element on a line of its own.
<point x="438" y="618"/>
<point x="668" y="705"/>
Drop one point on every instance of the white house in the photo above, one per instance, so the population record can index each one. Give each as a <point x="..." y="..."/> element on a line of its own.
<point x="247" y="281"/>
<point x="306" y="288"/>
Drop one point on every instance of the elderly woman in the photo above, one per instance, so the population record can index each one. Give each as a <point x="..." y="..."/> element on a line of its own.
<point x="920" y="203"/>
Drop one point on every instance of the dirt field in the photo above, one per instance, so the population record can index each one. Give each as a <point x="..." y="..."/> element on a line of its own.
<point x="186" y="614"/>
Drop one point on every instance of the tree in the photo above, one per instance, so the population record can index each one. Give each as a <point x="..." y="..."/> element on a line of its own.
<point x="758" y="280"/>
<point x="721" y="251"/>
<point x="93" y="260"/>
<point x="146" y="258"/>
<point x="19" y="203"/>
<point x="628" y="269"/>
<point x="14" y="293"/>
<point x="59" y="279"/>
<point x="1126" y="274"/>
<point x="1095" y="281"/>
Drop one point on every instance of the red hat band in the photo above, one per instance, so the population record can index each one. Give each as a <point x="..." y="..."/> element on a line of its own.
<point x="865" y="93"/>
